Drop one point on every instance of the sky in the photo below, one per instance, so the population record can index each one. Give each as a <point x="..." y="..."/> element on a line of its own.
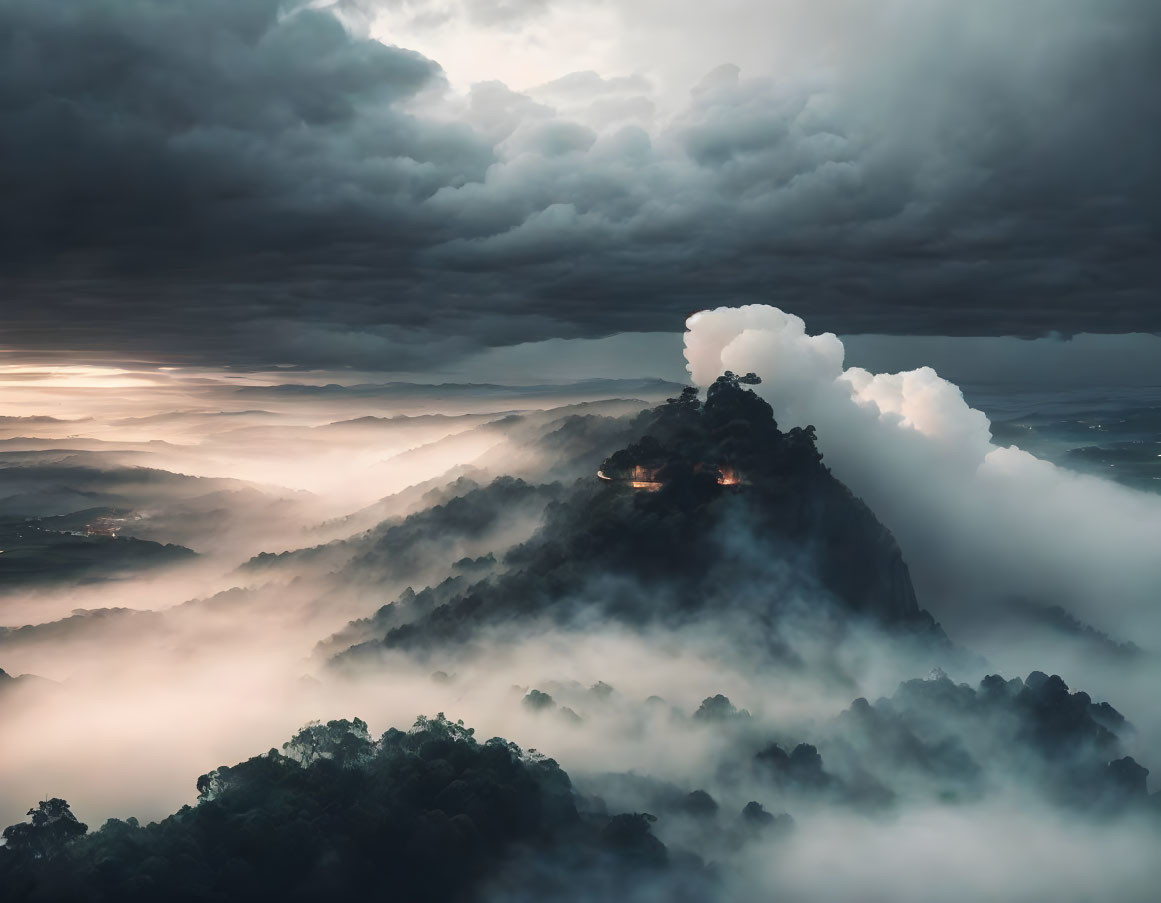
<point x="307" y="305"/>
<point x="408" y="185"/>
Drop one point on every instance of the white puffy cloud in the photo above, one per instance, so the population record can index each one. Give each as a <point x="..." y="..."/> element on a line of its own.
<point x="979" y="523"/>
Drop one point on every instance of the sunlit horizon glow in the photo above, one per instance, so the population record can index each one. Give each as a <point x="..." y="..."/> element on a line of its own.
<point x="746" y="413"/>
<point x="75" y="376"/>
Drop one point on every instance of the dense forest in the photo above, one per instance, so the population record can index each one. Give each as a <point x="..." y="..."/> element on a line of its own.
<point x="779" y="529"/>
<point x="429" y="814"/>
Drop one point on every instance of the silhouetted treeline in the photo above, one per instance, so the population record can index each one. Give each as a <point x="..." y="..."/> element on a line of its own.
<point x="747" y="519"/>
<point x="406" y="548"/>
<point x="426" y="815"/>
<point x="956" y="742"/>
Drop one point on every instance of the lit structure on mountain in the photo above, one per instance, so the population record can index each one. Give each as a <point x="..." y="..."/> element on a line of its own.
<point x="651" y="479"/>
<point x="686" y="438"/>
<point x="640" y="477"/>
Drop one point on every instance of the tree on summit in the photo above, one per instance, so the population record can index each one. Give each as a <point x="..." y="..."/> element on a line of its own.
<point x="687" y="399"/>
<point x="750" y="379"/>
<point x="347" y="742"/>
<point x="52" y="828"/>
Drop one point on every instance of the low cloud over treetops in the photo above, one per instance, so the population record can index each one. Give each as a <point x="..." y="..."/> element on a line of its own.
<point x="724" y="643"/>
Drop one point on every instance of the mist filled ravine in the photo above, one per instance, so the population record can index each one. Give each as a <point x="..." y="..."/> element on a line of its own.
<point x="580" y="451"/>
<point x="792" y="629"/>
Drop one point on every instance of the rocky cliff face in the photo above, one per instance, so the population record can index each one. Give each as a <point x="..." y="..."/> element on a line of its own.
<point x="739" y="518"/>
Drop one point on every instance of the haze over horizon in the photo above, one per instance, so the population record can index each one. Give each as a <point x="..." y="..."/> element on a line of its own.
<point x="747" y="415"/>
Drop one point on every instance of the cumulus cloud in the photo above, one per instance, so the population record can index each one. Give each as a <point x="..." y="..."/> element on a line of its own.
<point x="924" y="460"/>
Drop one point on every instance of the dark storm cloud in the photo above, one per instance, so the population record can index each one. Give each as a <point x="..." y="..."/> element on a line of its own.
<point x="251" y="182"/>
<point x="201" y="164"/>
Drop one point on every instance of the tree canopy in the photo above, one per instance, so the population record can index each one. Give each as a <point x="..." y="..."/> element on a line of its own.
<point x="429" y="814"/>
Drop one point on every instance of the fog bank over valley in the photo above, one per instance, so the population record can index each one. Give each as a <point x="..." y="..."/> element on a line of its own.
<point x="796" y="627"/>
